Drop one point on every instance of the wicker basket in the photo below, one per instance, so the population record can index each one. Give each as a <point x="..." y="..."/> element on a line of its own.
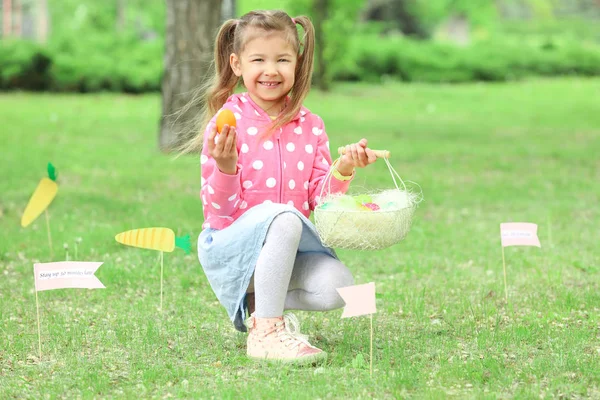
<point x="366" y="230"/>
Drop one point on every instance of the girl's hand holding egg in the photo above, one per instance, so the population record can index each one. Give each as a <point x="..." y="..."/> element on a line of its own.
<point x="223" y="148"/>
<point x="356" y="155"/>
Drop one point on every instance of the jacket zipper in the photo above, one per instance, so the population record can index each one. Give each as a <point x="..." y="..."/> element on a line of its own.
<point x="280" y="171"/>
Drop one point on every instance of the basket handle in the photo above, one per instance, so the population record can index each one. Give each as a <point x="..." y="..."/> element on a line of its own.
<point x="378" y="153"/>
<point x="385" y="154"/>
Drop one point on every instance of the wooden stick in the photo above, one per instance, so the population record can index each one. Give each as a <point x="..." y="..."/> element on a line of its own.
<point x="550" y="231"/>
<point x="371" y="356"/>
<point x="49" y="236"/>
<point x="378" y="153"/>
<point x="161" y="279"/>
<point x="37" y="307"/>
<point x="505" y="286"/>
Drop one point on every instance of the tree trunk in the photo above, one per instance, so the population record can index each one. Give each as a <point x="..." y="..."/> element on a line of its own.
<point x="18" y="19"/>
<point x="321" y="11"/>
<point x="120" y="17"/>
<point x="6" y="18"/>
<point x="228" y="10"/>
<point x="409" y="23"/>
<point x="42" y="21"/>
<point x="400" y="13"/>
<point x="190" y="32"/>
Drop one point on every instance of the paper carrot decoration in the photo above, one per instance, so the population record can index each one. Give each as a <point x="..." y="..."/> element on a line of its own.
<point x="63" y="275"/>
<point x="41" y="198"/>
<point x="360" y="300"/>
<point x="516" y="234"/>
<point x="162" y="239"/>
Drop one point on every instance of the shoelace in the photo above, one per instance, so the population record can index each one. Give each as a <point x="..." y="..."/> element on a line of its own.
<point x="288" y="329"/>
<point x="292" y="331"/>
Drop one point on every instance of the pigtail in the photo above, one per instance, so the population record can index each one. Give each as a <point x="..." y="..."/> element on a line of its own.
<point x="216" y="90"/>
<point x="304" y="70"/>
<point x="224" y="81"/>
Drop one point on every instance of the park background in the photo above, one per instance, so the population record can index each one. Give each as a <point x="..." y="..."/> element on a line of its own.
<point x="493" y="107"/>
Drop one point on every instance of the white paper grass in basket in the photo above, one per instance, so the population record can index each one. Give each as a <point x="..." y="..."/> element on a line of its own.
<point x="367" y="230"/>
<point x="401" y="198"/>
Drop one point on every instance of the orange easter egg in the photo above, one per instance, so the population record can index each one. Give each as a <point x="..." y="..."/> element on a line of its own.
<point x="225" y="117"/>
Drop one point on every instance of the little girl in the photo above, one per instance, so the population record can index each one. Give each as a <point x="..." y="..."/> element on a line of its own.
<point x="260" y="181"/>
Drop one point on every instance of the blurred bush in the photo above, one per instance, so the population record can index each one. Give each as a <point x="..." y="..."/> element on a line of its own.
<point x="91" y="49"/>
<point x="127" y="64"/>
<point x="95" y="64"/>
<point x="24" y="65"/>
<point x="104" y="64"/>
<point x="373" y="58"/>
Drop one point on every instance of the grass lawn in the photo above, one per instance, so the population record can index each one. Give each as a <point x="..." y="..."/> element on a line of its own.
<point x="483" y="154"/>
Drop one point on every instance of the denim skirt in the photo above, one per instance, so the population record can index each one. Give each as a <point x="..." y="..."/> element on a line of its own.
<point x="228" y="256"/>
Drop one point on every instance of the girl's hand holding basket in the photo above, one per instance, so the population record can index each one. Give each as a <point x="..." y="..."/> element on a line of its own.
<point x="355" y="155"/>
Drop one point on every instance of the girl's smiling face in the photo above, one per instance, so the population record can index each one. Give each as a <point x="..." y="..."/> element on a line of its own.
<point x="267" y="65"/>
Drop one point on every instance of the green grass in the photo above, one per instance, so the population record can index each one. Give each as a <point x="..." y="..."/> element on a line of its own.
<point x="483" y="154"/>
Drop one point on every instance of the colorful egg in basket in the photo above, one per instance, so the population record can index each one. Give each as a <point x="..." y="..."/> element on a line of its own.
<point x="366" y="222"/>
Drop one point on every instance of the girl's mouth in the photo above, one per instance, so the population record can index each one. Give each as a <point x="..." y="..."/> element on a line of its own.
<point x="270" y="84"/>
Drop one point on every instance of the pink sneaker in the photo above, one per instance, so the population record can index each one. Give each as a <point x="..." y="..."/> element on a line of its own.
<point x="278" y="339"/>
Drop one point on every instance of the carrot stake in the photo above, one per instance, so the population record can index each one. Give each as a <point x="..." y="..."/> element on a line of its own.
<point x="161" y="239"/>
<point x="49" y="235"/>
<point x="161" y="279"/>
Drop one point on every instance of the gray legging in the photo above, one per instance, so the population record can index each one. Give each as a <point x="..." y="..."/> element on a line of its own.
<point x="286" y="279"/>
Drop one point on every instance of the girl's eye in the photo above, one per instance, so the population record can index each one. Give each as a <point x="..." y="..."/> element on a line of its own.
<point x="257" y="59"/>
<point x="284" y="60"/>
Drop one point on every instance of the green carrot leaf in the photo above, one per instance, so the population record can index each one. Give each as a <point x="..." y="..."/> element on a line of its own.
<point x="52" y="174"/>
<point x="184" y="243"/>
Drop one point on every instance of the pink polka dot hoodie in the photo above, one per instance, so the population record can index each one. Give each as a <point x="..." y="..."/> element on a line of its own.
<point x="288" y="167"/>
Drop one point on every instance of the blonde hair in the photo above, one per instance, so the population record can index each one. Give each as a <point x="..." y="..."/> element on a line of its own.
<point x="232" y="37"/>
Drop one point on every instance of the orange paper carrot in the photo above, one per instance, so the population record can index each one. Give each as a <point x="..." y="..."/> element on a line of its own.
<point x="41" y="198"/>
<point x="162" y="239"/>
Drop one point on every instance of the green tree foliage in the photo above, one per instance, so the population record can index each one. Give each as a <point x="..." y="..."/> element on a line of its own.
<point x="478" y="12"/>
<point x="71" y="17"/>
<point x="340" y="24"/>
<point x="420" y="18"/>
<point x="86" y="52"/>
<point x="90" y="54"/>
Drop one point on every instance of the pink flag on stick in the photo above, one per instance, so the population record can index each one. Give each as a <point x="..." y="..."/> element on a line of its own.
<point x="66" y="274"/>
<point x="360" y="300"/>
<point x="519" y="234"/>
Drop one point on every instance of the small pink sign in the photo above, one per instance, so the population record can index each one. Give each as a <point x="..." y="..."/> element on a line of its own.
<point x="66" y="274"/>
<point x="519" y="234"/>
<point x="360" y="300"/>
